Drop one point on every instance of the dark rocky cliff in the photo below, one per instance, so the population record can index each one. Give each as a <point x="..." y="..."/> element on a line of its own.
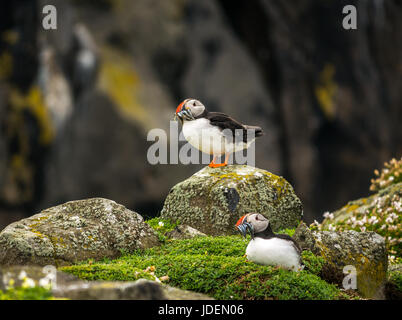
<point x="76" y="103"/>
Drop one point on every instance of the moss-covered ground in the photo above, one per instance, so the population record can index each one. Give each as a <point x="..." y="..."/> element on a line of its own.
<point x="35" y="293"/>
<point x="215" y="266"/>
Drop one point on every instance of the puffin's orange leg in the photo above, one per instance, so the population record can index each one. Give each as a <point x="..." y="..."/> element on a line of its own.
<point x="213" y="164"/>
<point x="217" y="165"/>
<point x="227" y="155"/>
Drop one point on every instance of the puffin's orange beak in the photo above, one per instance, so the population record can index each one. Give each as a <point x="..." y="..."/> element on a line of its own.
<point x="243" y="226"/>
<point x="183" y="112"/>
<point x="240" y="221"/>
<point x="178" y="109"/>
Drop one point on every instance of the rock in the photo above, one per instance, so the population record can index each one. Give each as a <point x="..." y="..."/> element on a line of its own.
<point x="111" y="290"/>
<point x="74" y="231"/>
<point x="36" y="273"/>
<point x="70" y="287"/>
<point x="392" y="288"/>
<point x="383" y="200"/>
<point x="172" y="293"/>
<point x="379" y="213"/>
<point x="305" y="238"/>
<point x="214" y="198"/>
<point x="363" y="250"/>
<point x="184" y="231"/>
<point x="128" y="290"/>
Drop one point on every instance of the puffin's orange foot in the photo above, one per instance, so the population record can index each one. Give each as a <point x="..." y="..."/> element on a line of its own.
<point x="217" y="165"/>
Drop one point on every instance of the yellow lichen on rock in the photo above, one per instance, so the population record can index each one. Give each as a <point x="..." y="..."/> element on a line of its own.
<point x="325" y="91"/>
<point x="6" y="65"/>
<point x="118" y="78"/>
<point x="33" y="101"/>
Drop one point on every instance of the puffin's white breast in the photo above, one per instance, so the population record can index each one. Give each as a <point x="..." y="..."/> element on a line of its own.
<point x="210" y="139"/>
<point x="274" y="251"/>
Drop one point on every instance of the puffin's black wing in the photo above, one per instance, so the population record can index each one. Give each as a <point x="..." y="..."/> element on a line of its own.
<point x="223" y="121"/>
<point x="289" y="238"/>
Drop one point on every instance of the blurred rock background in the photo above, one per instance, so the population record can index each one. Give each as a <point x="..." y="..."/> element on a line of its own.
<point x="76" y="103"/>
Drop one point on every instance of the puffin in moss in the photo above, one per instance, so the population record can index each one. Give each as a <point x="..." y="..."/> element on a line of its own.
<point x="214" y="133"/>
<point x="266" y="247"/>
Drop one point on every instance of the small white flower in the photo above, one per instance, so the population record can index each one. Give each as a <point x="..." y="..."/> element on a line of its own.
<point x="161" y="224"/>
<point x="363" y="229"/>
<point x="28" y="283"/>
<point x="45" y="282"/>
<point x="331" y="227"/>
<point x="22" y="275"/>
<point x="389" y="219"/>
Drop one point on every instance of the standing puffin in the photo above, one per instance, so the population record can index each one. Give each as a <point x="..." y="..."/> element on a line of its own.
<point x="266" y="247"/>
<point x="214" y="133"/>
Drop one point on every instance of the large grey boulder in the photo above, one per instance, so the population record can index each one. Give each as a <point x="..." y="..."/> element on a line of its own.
<point x="64" y="285"/>
<point x="214" y="198"/>
<point x="75" y="231"/>
<point x="364" y="251"/>
<point x="183" y="231"/>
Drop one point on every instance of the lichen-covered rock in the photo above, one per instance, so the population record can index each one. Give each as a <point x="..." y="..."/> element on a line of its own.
<point x="75" y="231"/>
<point x="64" y="285"/>
<point x="184" y="231"/>
<point x="214" y="198"/>
<point x="365" y="251"/>
<point x="381" y="213"/>
<point x="141" y="289"/>
<point x="305" y="238"/>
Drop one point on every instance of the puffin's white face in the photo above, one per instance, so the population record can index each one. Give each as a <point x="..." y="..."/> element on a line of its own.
<point x="189" y="109"/>
<point x="258" y="221"/>
<point x="253" y="222"/>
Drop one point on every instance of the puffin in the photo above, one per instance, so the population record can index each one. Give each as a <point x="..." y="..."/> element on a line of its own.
<point x="266" y="247"/>
<point x="214" y="133"/>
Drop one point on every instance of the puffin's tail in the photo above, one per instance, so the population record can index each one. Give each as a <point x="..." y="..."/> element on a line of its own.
<point x="258" y="130"/>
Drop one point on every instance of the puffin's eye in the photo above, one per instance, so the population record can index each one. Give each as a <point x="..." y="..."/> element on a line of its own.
<point x="194" y="103"/>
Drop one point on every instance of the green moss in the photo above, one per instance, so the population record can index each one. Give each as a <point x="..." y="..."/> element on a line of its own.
<point x="395" y="277"/>
<point x="108" y="271"/>
<point x="229" y="246"/>
<point x="162" y="226"/>
<point x="289" y="232"/>
<point x="312" y="263"/>
<point x="35" y="293"/>
<point x="215" y="266"/>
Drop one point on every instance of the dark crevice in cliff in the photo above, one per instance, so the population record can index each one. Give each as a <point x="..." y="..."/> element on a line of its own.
<point x="257" y="41"/>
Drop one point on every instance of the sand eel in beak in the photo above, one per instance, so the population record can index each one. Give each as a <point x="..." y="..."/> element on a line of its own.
<point x="214" y="133"/>
<point x="266" y="247"/>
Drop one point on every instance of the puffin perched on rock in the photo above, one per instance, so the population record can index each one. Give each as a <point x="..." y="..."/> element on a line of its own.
<point x="266" y="247"/>
<point x="214" y="133"/>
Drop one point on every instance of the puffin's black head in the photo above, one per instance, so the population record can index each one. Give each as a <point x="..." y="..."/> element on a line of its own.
<point x="189" y="109"/>
<point x="252" y="222"/>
